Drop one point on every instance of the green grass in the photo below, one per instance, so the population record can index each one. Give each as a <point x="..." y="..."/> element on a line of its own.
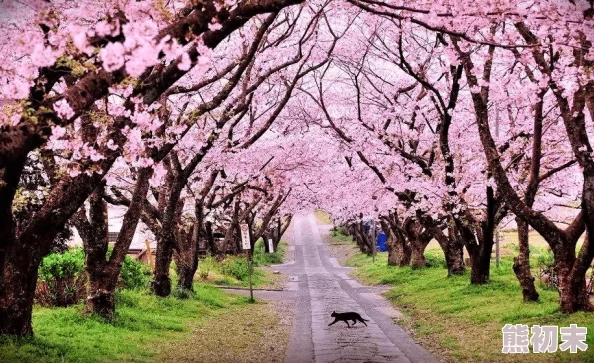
<point x="248" y="334"/>
<point x="261" y="258"/>
<point x="233" y="270"/>
<point x="462" y="321"/>
<point x="339" y="238"/>
<point x="143" y="324"/>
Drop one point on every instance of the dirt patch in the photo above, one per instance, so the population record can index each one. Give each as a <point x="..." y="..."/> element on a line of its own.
<point x="251" y="333"/>
<point x="276" y="281"/>
<point x="341" y="250"/>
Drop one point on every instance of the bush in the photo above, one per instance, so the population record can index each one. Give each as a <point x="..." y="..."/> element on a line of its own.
<point x="61" y="278"/>
<point x="134" y="274"/>
<point x="267" y="259"/>
<point x="435" y="258"/>
<point x="62" y="265"/>
<point x="236" y="267"/>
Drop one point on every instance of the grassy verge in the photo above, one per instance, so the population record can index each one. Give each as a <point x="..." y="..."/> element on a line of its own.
<point x="260" y="334"/>
<point x="233" y="270"/>
<point x="461" y="321"/>
<point x="322" y="217"/>
<point x="143" y="326"/>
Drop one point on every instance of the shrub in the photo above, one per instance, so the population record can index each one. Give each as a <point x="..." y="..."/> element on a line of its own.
<point x="236" y="267"/>
<point x="267" y="259"/>
<point x="61" y="278"/>
<point x="435" y="259"/>
<point x="134" y="274"/>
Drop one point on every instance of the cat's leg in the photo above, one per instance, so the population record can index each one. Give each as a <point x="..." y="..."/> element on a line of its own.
<point x="354" y="322"/>
<point x="347" y="323"/>
<point x="334" y="322"/>
<point x="363" y="321"/>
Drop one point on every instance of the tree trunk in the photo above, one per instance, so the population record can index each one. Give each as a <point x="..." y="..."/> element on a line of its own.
<point x="161" y="284"/>
<point x="21" y="256"/>
<point x="102" y="273"/>
<point x="572" y="291"/>
<point x="572" y="284"/>
<point x="451" y="245"/>
<point x="101" y="281"/>
<point x="186" y="255"/>
<point x="481" y="255"/>
<point x="417" y="255"/>
<point x="186" y="276"/>
<point x="454" y="257"/>
<point x="101" y="294"/>
<point x="265" y="238"/>
<point x="361" y="238"/>
<point x="480" y="268"/>
<point x="521" y="264"/>
<point x="212" y="246"/>
<point x="19" y="279"/>
<point x="399" y="252"/>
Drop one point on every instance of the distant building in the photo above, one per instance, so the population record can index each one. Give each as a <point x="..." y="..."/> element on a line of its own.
<point x="141" y="235"/>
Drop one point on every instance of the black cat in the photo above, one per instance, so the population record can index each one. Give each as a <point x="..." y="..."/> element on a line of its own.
<point x="347" y="316"/>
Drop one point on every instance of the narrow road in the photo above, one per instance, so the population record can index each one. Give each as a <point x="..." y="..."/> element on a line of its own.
<point x="322" y="287"/>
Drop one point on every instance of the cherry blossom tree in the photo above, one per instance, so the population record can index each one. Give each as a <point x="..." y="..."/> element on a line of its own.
<point x="60" y="64"/>
<point x="439" y="119"/>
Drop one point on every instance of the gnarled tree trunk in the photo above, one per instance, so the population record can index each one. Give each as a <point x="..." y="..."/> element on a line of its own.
<point x="186" y="256"/>
<point x="451" y="245"/>
<point x="481" y="254"/>
<point x="417" y="255"/>
<point x="362" y="238"/>
<point x="399" y="252"/>
<point x="418" y="237"/>
<point x="161" y="284"/>
<point x="101" y="294"/>
<point x="19" y="279"/>
<point x="101" y="282"/>
<point x="572" y="285"/>
<point x="103" y="273"/>
<point x="521" y="264"/>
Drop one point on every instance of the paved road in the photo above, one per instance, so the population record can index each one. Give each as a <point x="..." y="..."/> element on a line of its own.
<point x="322" y="286"/>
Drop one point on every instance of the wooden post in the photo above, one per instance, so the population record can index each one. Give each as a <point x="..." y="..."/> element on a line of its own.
<point x="149" y="254"/>
<point x="373" y="239"/>
<point x="250" y="271"/>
